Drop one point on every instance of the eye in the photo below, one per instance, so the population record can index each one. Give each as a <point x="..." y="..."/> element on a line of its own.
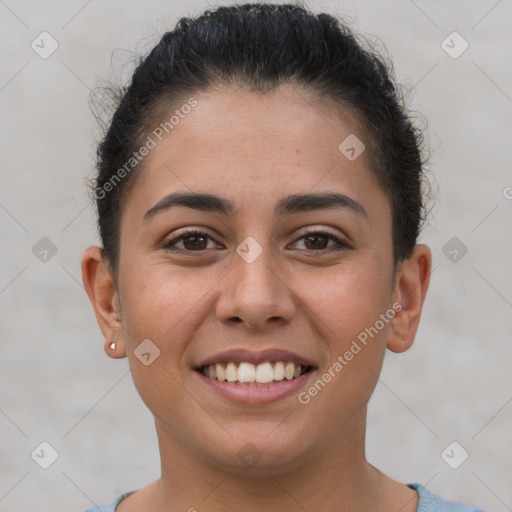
<point x="195" y="240"/>
<point x="317" y="241"/>
<point x="192" y="240"/>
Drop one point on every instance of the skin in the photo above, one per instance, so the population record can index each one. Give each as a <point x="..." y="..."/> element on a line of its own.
<point x="255" y="149"/>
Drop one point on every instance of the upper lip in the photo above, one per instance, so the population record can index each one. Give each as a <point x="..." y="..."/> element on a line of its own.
<point x="256" y="357"/>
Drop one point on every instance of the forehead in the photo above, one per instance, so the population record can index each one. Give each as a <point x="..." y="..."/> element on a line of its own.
<point x="247" y="143"/>
<point x="226" y="116"/>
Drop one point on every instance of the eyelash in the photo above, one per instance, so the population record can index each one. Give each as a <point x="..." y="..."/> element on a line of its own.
<point x="194" y="232"/>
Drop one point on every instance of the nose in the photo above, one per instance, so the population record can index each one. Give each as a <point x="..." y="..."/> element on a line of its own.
<point x="255" y="294"/>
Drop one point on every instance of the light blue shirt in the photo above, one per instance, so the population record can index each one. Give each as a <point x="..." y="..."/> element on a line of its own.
<point x="428" y="502"/>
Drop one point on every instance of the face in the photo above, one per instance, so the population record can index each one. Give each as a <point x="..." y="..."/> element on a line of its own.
<point x="252" y="248"/>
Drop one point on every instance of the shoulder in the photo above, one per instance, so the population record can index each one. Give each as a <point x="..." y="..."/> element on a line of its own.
<point x="110" y="506"/>
<point x="429" y="502"/>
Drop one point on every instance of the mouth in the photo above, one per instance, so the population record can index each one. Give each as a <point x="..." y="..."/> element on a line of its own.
<point x="248" y="377"/>
<point x="249" y="374"/>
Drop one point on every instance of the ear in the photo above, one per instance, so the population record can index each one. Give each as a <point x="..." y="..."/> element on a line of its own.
<point x="100" y="287"/>
<point x="411" y="284"/>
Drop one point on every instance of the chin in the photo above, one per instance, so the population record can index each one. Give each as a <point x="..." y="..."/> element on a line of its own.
<point x="260" y="447"/>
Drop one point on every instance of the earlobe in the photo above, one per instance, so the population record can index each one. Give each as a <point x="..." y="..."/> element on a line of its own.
<point x="101" y="290"/>
<point x="114" y="349"/>
<point x="412" y="280"/>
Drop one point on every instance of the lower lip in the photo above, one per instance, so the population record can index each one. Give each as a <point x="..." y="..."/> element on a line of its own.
<point x="257" y="393"/>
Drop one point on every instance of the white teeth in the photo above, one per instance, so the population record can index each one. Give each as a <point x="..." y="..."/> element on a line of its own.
<point x="248" y="373"/>
<point x="279" y="371"/>
<point x="264" y="373"/>
<point x="231" y="372"/>
<point x="289" y="370"/>
<point x="221" y="373"/>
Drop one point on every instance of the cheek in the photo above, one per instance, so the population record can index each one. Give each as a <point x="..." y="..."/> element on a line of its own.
<point x="349" y="299"/>
<point x="165" y="305"/>
<point x="348" y="311"/>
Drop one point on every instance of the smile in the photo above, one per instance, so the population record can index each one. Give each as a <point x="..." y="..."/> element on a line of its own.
<point x="248" y="374"/>
<point x="255" y="377"/>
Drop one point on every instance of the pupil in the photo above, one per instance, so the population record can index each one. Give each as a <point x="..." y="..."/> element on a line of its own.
<point x="197" y="244"/>
<point x="318" y="239"/>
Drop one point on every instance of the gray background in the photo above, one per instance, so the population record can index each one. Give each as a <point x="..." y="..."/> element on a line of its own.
<point x="56" y="384"/>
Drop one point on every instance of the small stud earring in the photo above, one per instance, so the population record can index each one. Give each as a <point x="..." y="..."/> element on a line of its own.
<point x="112" y="346"/>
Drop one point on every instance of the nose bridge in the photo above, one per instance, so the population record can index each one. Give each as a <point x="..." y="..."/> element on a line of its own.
<point x="256" y="279"/>
<point x="255" y="293"/>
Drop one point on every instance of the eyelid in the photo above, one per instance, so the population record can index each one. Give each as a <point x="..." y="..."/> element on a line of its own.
<point x="316" y="229"/>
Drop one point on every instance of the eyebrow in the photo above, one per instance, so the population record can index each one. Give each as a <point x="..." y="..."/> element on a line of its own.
<point x="296" y="203"/>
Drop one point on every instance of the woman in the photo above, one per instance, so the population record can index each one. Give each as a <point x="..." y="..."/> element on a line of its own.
<point x="259" y="203"/>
